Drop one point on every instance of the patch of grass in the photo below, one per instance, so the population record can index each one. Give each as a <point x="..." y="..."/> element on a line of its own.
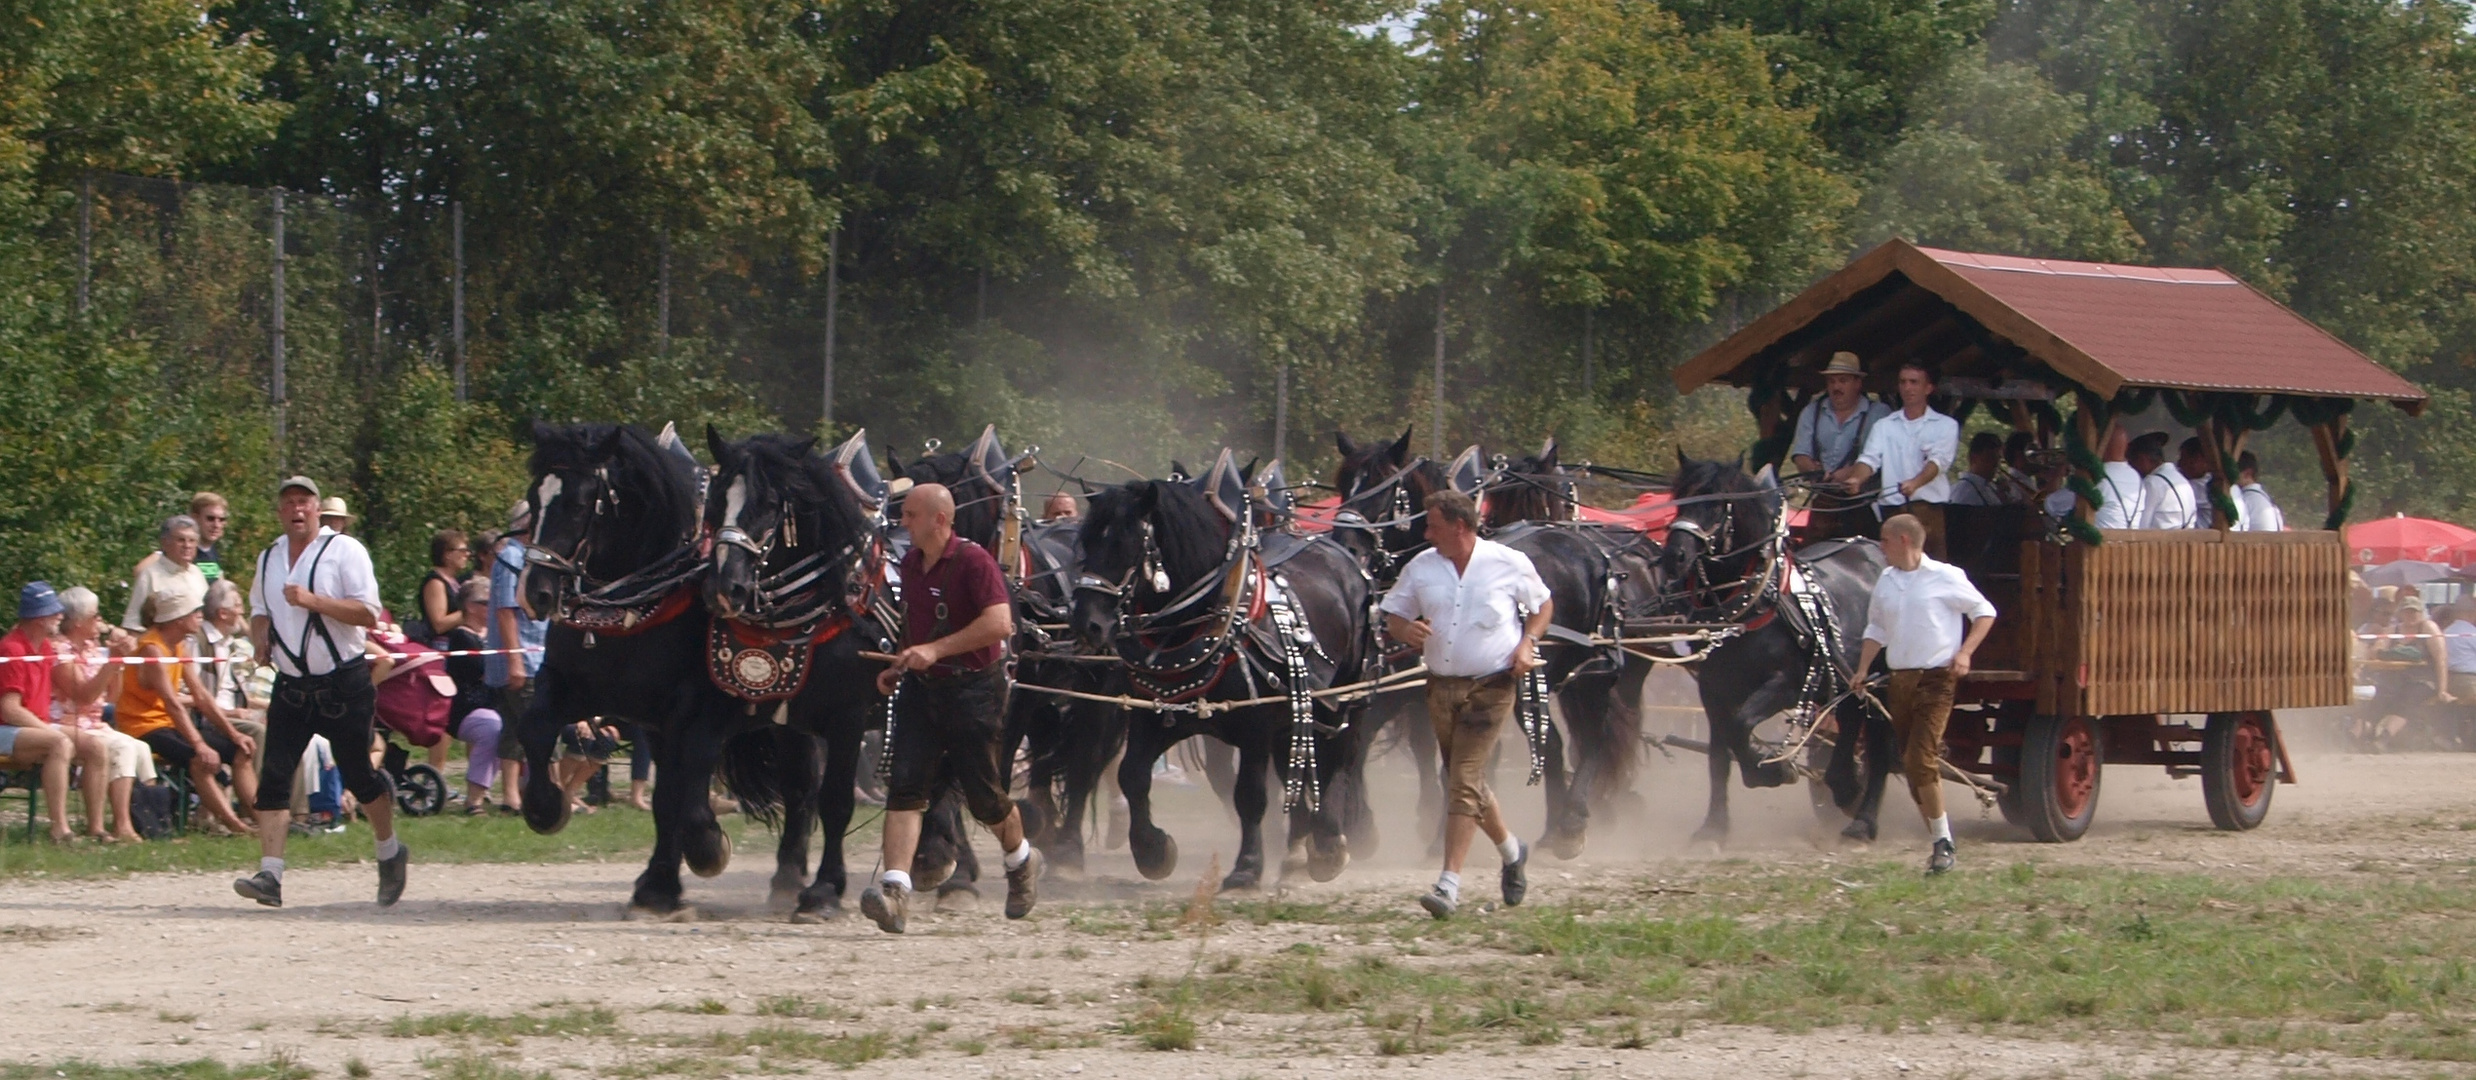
<point x="170" y="1017"/>
<point x="281" y="1065"/>
<point x="1031" y="995"/>
<point x="581" y="1020"/>
<point x="473" y="1066"/>
<point x="704" y="1007"/>
<point x="356" y="1068"/>
<point x="778" y="1042"/>
<point x="446" y="838"/>
<point x="1161" y="1028"/>
<point x="2366" y="965"/>
<point x="798" y="1007"/>
<point x="1075" y="952"/>
<point x="971" y="1047"/>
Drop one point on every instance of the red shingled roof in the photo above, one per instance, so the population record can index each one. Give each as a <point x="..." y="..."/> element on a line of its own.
<point x="2101" y="325"/>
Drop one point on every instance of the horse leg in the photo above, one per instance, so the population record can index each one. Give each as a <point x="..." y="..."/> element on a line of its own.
<point x="799" y="771"/>
<point x="1714" y="830"/>
<point x="1155" y="851"/>
<point x="658" y="889"/>
<point x="1358" y="817"/>
<point x="545" y="806"/>
<point x="1330" y="836"/>
<point x="1428" y="759"/>
<point x="1882" y="757"/>
<point x="701" y="840"/>
<point x="1220" y="767"/>
<point x="1254" y="768"/>
<point x="1566" y="819"/>
<point x="948" y="814"/>
<point x="823" y="898"/>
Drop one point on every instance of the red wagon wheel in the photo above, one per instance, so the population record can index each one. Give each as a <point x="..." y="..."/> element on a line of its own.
<point x="2239" y="768"/>
<point x="2061" y="764"/>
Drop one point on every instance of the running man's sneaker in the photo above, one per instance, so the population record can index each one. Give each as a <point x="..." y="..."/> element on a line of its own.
<point x="1439" y="903"/>
<point x="391" y="875"/>
<point x="888" y="905"/>
<point x="1941" y="860"/>
<point x="1516" y="879"/>
<point x="1020" y="886"/>
<point x="262" y="887"/>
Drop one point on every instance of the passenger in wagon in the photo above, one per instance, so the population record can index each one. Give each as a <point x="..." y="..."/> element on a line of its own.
<point x="1926" y="621"/>
<point x="2119" y="487"/>
<point x="2195" y="464"/>
<point x="1983" y="484"/>
<point x="1912" y="451"/>
<point x="2255" y="511"/>
<point x="2166" y="499"/>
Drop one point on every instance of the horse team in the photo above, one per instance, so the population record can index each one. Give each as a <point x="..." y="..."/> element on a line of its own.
<point x="739" y="616"/>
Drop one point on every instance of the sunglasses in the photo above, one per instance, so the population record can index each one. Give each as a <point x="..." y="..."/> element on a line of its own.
<point x="215" y="518"/>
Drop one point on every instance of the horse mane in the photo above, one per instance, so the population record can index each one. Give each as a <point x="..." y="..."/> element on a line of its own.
<point x="658" y="493"/>
<point x="785" y="469"/>
<point x="1752" y="517"/>
<point x="1192" y="537"/>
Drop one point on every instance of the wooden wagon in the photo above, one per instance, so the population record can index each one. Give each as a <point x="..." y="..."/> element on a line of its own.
<point x="2115" y="646"/>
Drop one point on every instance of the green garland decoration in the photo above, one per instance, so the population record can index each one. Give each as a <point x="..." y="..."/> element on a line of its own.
<point x="2085" y="463"/>
<point x="2185" y="411"/>
<point x="2338" y="515"/>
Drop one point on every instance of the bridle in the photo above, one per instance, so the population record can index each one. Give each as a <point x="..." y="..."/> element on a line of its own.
<point x="793" y="595"/>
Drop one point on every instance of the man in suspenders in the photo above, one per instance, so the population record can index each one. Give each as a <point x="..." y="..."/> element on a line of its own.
<point x="313" y="595"/>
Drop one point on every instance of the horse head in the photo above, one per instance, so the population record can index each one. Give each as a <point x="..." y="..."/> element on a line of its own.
<point x="1532" y="488"/>
<point x="775" y="502"/>
<point x="606" y="500"/>
<point x="1384" y="483"/>
<point x="982" y="480"/>
<point x="1723" y="516"/>
<point x="1143" y="541"/>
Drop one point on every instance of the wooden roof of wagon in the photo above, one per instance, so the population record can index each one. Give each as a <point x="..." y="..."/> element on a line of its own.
<point x="1989" y="323"/>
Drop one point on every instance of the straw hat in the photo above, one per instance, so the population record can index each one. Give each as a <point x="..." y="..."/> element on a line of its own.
<point x="1844" y="363"/>
<point x="176" y="598"/>
<point x="333" y="506"/>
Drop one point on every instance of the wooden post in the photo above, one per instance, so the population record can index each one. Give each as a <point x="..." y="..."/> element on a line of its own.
<point x="275" y="384"/>
<point x="833" y="298"/>
<point x="2333" y="467"/>
<point x="2085" y="421"/>
<point x="455" y="214"/>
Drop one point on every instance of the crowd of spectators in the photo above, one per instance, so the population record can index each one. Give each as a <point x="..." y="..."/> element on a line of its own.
<point x="103" y="717"/>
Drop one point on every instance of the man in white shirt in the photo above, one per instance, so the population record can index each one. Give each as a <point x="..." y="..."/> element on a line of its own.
<point x="1831" y="432"/>
<point x="2195" y="463"/>
<point x="173" y="564"/>
<point x="1475" y="608"/>
<point x="2166" y="498"/>
<point x="2458" y="651"/>
<point x="314" y="597"/>
<point x="2119" y="486"/>
<point x="2255" y="512"/>
<point x="1912" y="451"/>
<point x="1926" y="620"/>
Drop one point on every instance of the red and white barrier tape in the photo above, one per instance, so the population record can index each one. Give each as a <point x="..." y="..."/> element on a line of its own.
<point x="168" y="660"/>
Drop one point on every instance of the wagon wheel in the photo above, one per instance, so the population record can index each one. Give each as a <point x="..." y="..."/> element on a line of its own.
<point x="2239" y="768"/>
<point x="420" y="791"/>
<point x="2061" y="759"/>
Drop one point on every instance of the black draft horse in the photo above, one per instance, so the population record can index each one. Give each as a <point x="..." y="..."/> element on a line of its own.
<point x="1723" y="559"/>
<point x="1603" y="579"/>
<point x="1166" y="588"/>
<point x="1382" y="488"/>
<point x="614" y="512"/>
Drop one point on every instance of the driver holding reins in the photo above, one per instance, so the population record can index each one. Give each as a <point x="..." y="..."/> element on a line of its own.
<point x="950" y="715"/>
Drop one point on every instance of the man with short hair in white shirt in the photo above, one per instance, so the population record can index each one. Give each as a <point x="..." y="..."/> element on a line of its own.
<point x="314" y="596"/>
<point x="2255" y="512"/>
<point x="1912" y="450"/>
<point x="2166" y="497"/>
<point x="1475" y="608"/>
<point x="2119" y="486"/>
<point x="1926" y="620"/>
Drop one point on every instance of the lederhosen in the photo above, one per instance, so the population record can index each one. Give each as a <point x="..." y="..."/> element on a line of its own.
<point x="947" y="727"/>
<point x="341" y="704"/>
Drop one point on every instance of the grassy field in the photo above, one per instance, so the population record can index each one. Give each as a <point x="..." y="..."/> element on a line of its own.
<point x="2375" y="967"/>
<point x="449" y="838"/>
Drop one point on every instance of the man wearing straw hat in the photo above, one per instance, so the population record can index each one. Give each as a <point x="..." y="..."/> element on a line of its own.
<point x="314" y="597"/>
<point x="1831" y="432"/>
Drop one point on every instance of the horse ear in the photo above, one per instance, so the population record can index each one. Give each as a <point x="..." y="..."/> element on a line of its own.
<point x="1547" y="454"/>
<point x="1341" y="442"/>
<point x="613" y="442"/>
<point x="1400" y="450"/>
<point x="715" y="442"/>
<point x="806" y="447"/>
<point x="543" y="433"/>
<point x="1681" y="463"/>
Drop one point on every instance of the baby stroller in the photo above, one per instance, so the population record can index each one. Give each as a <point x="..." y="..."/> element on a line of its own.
<point x="415" y="696"/>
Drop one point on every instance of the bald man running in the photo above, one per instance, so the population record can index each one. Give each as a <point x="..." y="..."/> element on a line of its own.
<point x="957" y="615"/>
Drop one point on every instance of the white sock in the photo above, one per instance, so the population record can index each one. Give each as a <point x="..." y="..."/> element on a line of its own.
<point x="1511" y="849"/>
<point x="896" y="879"/>
<point x="1021" y="854"/>
<point x="390" y="847"/>
<point x="1450" y="884"/>
<point x="1942" y="827"/>
<point x="272" y="866"/>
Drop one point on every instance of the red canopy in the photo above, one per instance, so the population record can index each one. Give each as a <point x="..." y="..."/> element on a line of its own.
<point x="2390" y="539"/>
<point x="1649" y="513"/>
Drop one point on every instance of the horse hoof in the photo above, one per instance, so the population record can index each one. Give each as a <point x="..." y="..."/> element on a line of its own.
<point x="1156" y="859"/>
<point x="1563" y="845"/>
<point x="1859" y="830"/>
<point x="805" y="917"/>
<point x="1294" y="861"/>
<point x="710" y="853"/>
<point x="958" y="902"/>
<point x="1241" y="881"/>
<point x="1712" y="837"/>
<point x="641" y="912"/>
<point x="925" y="878"/>
<point x="546" y="816"/>
<point x="1323" y="865"/>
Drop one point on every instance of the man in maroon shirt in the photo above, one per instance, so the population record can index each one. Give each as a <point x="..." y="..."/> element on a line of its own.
<point x="951" y="712"/>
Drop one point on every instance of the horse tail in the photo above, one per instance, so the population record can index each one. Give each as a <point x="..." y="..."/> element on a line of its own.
<point x="756" y="764"/>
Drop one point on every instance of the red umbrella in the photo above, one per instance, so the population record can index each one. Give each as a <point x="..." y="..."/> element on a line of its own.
<point x="2391" y="539"/>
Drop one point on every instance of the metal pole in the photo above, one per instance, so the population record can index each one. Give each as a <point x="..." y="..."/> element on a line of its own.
<point x="1590" y="346"/>
<point x="833" y="302"/>
<point x="276" y="385"/>
<point x="1281" y="410"/>
<point x="1436" y="432"/>
<point x="85" y="236"/>
<point x="455" y="214"/>
<point x="662" y="302"/>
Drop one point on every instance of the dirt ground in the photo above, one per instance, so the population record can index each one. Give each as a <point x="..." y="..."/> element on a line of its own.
<point x="172" y="967"/>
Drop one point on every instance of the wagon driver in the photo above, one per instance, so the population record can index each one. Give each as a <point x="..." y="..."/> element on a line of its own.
<point x="1831" y="432"/>
<point x="315" y="597"/>
<point x="1476" y="609"/>
<point x="1926" y="620"/>
<point x="950" y="714"/>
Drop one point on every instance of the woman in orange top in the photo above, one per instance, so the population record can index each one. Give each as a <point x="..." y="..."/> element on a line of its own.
<point x="155" y="701"/>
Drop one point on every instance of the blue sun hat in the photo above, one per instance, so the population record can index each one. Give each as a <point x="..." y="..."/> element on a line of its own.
<point x="37" y="600"/>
